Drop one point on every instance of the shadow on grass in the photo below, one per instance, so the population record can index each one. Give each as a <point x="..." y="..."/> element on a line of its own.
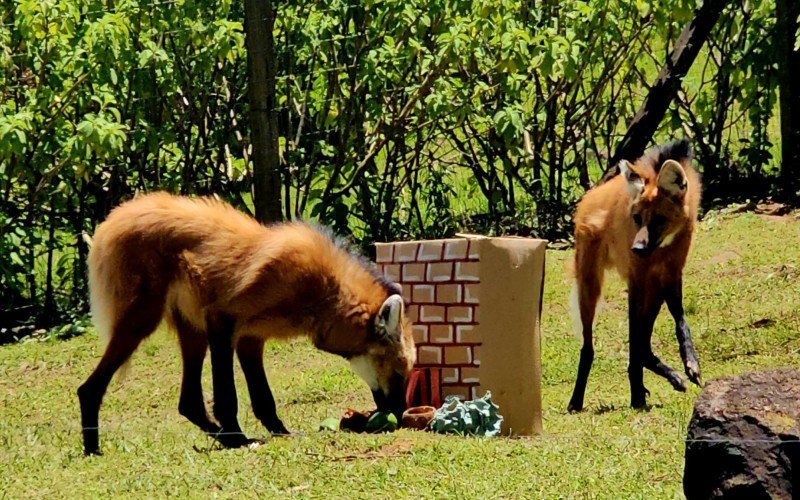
<point x="604" y="408"/>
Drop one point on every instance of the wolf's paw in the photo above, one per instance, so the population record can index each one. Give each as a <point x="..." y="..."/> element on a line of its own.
<point x="232" y="439"/>
<point x="678" y="383"/>
<point x="575" y="407"/>
<point x="693" y="372"/>
<point x="639" y="398"/>
<point x="276" y="428"/>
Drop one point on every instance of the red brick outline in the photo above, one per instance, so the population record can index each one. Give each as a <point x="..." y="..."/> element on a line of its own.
<point x="417" y="291"/>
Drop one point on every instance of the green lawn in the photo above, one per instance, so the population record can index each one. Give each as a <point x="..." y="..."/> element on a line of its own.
<point x="742" y="295"/>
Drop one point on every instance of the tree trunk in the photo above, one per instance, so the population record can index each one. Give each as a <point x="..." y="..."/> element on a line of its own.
<point x="48" y="317"/>
<point x="258" y="24"/>
<point x="787" y="12"/>
<point x="666" y="86"/>
<point x="79" y="271"/>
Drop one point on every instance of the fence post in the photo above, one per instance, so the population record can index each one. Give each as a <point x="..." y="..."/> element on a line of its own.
<point x="259" y="19"/>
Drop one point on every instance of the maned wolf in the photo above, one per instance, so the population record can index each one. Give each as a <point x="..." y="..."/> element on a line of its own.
<point x="223" y="281"/>
<point x="639" y="223"/>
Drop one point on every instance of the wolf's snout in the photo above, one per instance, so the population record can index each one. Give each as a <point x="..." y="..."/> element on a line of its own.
<point x="639" y="247"/>
<point x="641" y="243"/>
<point x="642" y="249"/>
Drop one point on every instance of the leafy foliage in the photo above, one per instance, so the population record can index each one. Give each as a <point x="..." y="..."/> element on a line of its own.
<point x="97" y="103"/>
<point x="409" y="119"/>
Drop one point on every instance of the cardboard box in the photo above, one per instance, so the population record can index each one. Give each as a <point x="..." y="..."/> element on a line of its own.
<point x="476" y="307"/>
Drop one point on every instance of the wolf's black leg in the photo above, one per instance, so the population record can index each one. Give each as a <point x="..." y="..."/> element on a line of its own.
<point x="220" y="341"/>
<point x="674" y="298"/>
<point x="251" y="356"/>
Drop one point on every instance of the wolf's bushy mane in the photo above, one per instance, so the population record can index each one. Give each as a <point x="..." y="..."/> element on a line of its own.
<point x="346" y="245"/>
<point x="679" y="150"/>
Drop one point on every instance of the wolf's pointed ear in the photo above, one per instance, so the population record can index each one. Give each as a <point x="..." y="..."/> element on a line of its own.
<point x="633" y="179"/>
<point x="387" y="322"/>
<point x="672" y="179"/>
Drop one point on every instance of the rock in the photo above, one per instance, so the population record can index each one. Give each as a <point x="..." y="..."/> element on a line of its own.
<point x="772" y="208"/>
<point x="744" y="437"/>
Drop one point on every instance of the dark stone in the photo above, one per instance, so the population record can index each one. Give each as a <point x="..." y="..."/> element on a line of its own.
<point x="744" y="437"/>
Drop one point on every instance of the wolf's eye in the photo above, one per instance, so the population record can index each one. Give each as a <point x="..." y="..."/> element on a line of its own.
<point x="637" y="218"/>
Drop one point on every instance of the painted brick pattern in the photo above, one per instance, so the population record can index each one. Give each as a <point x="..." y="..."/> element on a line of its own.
<point x="441" y="284"/>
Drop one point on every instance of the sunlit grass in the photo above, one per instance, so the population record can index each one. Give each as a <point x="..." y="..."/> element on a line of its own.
<point x="742" y="270"/>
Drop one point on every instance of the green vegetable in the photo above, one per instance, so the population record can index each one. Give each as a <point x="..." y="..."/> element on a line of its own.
<point x="382" y="421"/>
<point x="329" y="424"/>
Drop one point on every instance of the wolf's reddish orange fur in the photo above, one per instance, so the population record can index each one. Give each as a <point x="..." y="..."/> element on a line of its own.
<point x="211" y="272"/>
<point x="641" y="224"/>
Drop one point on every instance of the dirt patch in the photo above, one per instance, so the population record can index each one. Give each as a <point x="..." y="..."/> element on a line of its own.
<point x="768" y="210"/>
<point x="722" y="258"/>
<point x="746" y="271"/>
<point x="761" y="323"/>
<point x="782" y="219"/>
<point x="394" y="449"/>
<point x="776" y="212"/>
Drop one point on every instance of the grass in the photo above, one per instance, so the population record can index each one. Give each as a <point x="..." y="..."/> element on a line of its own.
<point x="743" y="270"/>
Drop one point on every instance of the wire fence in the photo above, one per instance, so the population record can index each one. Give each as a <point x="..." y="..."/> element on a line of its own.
<point x="152" y="432"/>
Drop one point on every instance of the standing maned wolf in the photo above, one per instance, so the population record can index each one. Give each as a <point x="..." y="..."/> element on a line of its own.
<point x="639" y="223"/>
<point x="223" y="281"/>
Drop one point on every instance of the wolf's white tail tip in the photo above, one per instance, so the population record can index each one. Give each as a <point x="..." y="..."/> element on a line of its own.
<point x="101" y="309"/>
<point x="102" y="315"/>
<point x="86" y="239"/>
<point x="575" y="311"/>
